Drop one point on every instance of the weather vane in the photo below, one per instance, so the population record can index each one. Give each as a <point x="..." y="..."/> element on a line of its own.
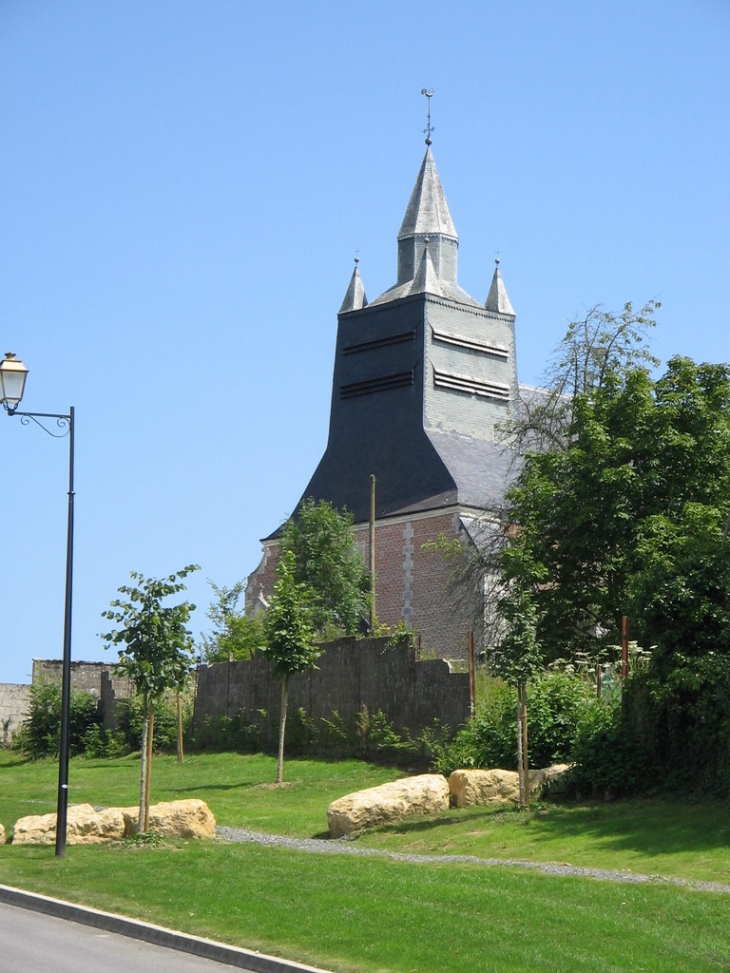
<point x="428" y="92"/>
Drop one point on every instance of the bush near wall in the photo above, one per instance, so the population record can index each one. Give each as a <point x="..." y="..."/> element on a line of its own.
<point x="653" y="732"/>
<point x="667" y="732"/>
<point x="129" y="720"/>
<point x="556" y="704"/>
<point x="40" y="733"/>
<point x="367" y="737"/>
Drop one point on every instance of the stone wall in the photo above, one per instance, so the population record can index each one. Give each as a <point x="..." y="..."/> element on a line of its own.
<point x="14" y="708"/>
<point x="87" y="676"/>
<point x="97" y="678"/>
<point x="352" y="673"/>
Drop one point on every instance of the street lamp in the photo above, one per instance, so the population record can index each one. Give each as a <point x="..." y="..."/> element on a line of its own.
<point x="12" y="385"/>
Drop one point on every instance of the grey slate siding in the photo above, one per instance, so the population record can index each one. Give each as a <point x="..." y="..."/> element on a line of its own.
<point x="379" y="430"/>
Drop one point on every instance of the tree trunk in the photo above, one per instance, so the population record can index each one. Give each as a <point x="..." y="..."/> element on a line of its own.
<point x="148" y="780"/>
<point x="180" y="754"/>
<point x="282" y="728"/>
<point x="141" y="822"/>
<point x="519" y="748"/>
<point x="524" y="763"/>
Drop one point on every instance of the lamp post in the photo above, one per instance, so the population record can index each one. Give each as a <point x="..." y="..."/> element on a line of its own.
<point x="12" y="385"/>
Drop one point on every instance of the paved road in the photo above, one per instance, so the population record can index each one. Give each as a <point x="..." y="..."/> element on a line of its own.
<point x="34" y="943"/>
<point x="43" y="935"/>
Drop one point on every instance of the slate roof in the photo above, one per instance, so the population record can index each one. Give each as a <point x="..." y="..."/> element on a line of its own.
<point x="427" y="281"/>
<point x="481" y="470"/>
<point x="497" y="299"/>
<point x="355" y="297"/>
<point x="427" y="210"/>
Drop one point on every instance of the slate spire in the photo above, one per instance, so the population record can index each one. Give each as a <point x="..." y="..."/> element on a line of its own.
<point x="355" y="297"/>
<point x="497" y="298"/>
<point x="426" y="280"/>
<point x="427" y="215"/>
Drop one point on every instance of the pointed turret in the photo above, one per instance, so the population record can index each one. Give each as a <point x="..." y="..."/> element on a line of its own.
<point x="426" y="280"/>
<point x="427" y="215"/>
<point x="427" y="225"/>
<point x="355" y="298"/>
<point x="497" y="298"/>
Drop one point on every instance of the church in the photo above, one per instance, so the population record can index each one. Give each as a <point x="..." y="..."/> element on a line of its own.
<point x="424" y="377"/>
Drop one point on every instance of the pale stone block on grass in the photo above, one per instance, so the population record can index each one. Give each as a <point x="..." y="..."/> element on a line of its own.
<point x="472" y="788"/>
<point x="86" y="826"/>
<point x="423" y="794"/>
<point x="174" y="819"/>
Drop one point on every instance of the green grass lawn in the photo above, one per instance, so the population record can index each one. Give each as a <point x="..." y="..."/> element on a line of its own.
<point x="345" y="913"/>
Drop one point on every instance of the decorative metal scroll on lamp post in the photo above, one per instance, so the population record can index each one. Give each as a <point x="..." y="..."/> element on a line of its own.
<point x="12" y="385"/>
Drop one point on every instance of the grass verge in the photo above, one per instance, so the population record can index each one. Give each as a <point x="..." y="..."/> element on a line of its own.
<point x="346" y="913"/>
<point x="350" y="913"/>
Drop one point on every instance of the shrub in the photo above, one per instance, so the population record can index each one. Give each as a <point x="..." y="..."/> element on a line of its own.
<point x="101" y="742"/>
<point x="40" y="735"/>
<point x="666" y="731"/>
<point x="609" y="759"/>
<point x="367" y="736"/>
<point x="686" y="723"/>
<point x="235" y="733"/>
<point x="555" y="705"/>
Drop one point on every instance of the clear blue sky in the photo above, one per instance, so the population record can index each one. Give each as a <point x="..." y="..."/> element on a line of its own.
<point x="184" y="185"/>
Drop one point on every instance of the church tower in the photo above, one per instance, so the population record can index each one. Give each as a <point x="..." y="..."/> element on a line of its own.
<point x="423" y="377"/>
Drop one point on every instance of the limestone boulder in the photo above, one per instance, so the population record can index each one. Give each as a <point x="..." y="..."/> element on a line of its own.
<point x="423" y="794"/>
<point x="87" y="826"/>
<point x="472" y="788"/>
<point x="554" y="778"/>
<point x="2" y="835"/>
<point x="174" y="819"/>
<point x="84" y="826"/>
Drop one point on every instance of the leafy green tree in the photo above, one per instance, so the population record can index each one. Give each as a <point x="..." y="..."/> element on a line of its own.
<point x="628" y="514"/>
<point x="598" y="348"/>
<point x="289" y="637"/>
<point x="155" y="651"/>
<point x="629" y="508"/>
<point x="329" y="563"/>
<point x="597" y="351"/>
<point x="235" y="635"/>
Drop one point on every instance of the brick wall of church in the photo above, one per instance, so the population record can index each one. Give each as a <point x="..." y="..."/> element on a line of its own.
<point x="412" y="584"/>
<point x="416" y="585"/>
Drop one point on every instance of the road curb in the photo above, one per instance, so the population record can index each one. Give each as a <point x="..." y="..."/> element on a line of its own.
<point x="157" y="935"/>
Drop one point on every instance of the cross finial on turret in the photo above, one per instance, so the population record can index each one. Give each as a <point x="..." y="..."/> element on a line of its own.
<point x="428" y="92"/>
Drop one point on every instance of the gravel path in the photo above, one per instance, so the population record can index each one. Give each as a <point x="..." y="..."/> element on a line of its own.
<point x="342" y="846"/>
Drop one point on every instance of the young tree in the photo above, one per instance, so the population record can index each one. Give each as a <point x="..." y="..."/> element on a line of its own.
<point x="329" y="563"/>
<point x="517" y="660"/>
<point x="289" y="638"/>
<point x="155" y="651"/>
<point x="235" y="635"/>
